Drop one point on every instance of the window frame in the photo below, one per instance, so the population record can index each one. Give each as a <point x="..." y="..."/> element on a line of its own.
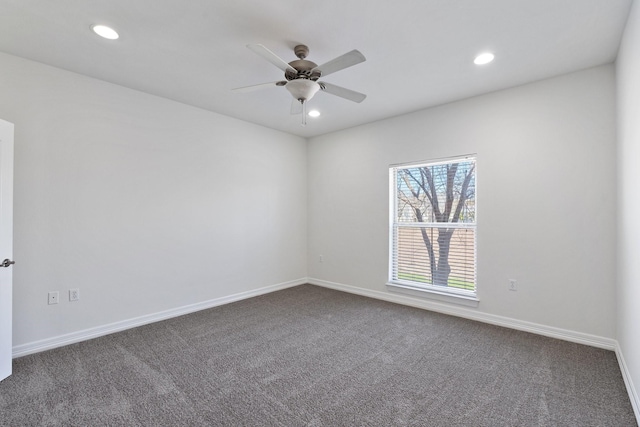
<point x="414" y="288"/>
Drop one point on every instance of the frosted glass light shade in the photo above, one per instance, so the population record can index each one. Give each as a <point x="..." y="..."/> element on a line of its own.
<point x="302" y="89"/>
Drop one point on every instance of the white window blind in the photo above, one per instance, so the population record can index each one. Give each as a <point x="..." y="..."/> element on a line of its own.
<point x="433" y="226"/>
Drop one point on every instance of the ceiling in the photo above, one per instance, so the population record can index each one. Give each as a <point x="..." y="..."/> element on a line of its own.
<point x="419" y="52"/>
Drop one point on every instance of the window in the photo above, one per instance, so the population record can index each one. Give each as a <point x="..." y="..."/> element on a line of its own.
<point x="433" y="227"/>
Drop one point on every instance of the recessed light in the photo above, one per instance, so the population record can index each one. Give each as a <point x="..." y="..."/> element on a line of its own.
<point x="106" y="32"/>
<point x="483" y="58"/>
<point x="314" y="113"/>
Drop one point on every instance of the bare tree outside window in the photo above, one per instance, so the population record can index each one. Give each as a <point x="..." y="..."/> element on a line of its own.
<point x="434" y="224"/>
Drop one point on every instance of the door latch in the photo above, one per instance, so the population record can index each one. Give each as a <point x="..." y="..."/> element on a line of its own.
<point x="7" y="262"/>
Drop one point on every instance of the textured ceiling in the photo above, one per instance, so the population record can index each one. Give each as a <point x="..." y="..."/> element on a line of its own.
<point x="419" y="53"/>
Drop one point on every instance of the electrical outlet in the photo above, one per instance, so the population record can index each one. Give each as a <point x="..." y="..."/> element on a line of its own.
<point x="54" y="297"/>
<point x="74" y="294"/>
<point x="513" y="285"/>
<point x="321" y="258"/>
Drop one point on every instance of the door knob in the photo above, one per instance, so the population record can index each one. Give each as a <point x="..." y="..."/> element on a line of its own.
<point x="7" y="262"/>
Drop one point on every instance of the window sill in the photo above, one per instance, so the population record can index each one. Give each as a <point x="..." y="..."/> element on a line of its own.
<point x="414" y="291"/>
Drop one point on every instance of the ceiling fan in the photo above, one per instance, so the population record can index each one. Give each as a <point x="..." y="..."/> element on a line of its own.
<point x="302" y="76"/>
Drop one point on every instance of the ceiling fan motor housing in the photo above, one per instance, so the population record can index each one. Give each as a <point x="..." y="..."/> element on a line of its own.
<point x="302" y="66"/>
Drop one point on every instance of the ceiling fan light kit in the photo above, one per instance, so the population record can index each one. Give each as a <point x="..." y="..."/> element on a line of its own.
<point x="302" y="76"/>
<point x="302" y="89"/>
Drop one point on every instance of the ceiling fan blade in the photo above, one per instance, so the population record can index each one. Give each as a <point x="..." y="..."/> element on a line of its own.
<point x="342" y="92"/>
<point x="296" y="107"/>
<point x="258" y="87"/>
<point x="271" y="57"/>
<point x="341" y="62"/>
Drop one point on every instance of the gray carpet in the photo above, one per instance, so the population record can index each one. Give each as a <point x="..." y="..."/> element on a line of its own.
<point x="309" y="356"/>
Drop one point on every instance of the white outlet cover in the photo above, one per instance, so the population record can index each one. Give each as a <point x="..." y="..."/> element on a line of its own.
<point x="54" y="297"/>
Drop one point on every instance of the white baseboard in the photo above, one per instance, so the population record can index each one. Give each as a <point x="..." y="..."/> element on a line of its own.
<point x="460" y="311"/>
<point x="86" y="334"/>
<point x="563" y="334"/>
<point x="628" y="382"/>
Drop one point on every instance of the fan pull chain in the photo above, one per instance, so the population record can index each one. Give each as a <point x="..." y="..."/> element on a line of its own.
<point x="304" y="112"/>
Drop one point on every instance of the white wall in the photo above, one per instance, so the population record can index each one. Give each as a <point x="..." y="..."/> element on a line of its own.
<point x="628" y="250"/>
<point x="546" y="197"/>
<point x="144" y="204"/>
<point x="137" y="200"/>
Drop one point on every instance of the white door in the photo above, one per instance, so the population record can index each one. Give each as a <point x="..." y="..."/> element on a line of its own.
<point x="6" y="245"/>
